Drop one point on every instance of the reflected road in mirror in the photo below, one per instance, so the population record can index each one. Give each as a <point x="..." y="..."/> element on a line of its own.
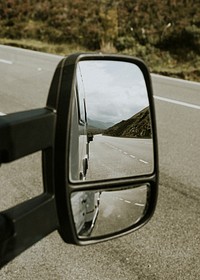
<point x="119" y="157"/>
<point x="100" y="213"/>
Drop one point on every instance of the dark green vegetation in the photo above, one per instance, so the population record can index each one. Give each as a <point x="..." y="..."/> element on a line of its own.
<point x="138" y="126"/>
<point x="165" y="34"/>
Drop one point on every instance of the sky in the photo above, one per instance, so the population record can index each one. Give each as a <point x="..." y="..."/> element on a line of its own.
<point x="114" y="90"/>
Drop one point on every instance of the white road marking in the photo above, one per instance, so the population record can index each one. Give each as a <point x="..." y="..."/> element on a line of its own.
<point x="124" y="200"/>
<point x="125" y="153"/>
<point x="132" y="156"/>
<point x="189" y="105"/>
<point x="139" y="204"/>
<point x="127" y="201"/>
<point x="6" y="61"/>
<point x="2" y="114"/>
<point x="143" y="161"/>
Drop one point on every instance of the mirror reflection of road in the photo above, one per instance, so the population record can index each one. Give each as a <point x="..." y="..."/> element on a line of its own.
<point x="120" y="209"/>
<point x="112" y="157"/>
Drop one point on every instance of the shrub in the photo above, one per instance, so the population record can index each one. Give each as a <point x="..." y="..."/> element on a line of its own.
<point x="122" y="43"/>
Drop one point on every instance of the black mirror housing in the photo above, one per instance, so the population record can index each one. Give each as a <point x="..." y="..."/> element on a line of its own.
<point x="85" y="202"/>
<point x="66" y="187"/>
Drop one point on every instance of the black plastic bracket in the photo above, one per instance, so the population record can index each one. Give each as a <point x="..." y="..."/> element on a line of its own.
<point x="24" y="133"/>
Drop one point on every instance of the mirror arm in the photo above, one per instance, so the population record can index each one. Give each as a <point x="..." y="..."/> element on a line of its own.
<point x="24" y="133"/>
<point x="17" y="232"/>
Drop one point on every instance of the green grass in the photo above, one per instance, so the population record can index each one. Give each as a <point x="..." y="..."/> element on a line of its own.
<point x="60" y="49"/>
<point x="158" y="62"/>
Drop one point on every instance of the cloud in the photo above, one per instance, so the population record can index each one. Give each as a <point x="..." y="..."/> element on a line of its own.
<point x="114" y="90"/>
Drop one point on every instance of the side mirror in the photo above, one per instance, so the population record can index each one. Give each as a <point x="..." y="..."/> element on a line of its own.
<point x="108" y="187"/>
<point x="98" y="139"/>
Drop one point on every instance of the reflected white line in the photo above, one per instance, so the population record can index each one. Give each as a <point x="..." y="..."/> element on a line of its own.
<point x="132" y="156"/>
<point x="189" y="105"/>
<point x="124" y="200"/>
<point x="139" y="204"/>
<point x="143" y="161"/>
<point x="6" y="61"/>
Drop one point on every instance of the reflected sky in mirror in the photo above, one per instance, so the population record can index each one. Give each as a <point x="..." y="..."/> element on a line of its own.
<point x="114" y="91"/>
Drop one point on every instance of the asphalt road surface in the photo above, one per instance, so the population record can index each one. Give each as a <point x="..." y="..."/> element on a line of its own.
<point x="119" y="210"/>
<point x="112" y="157"/>
<point x="168" y="247"/>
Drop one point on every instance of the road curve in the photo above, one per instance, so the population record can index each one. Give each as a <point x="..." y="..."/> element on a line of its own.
<point x="113" y="157"/>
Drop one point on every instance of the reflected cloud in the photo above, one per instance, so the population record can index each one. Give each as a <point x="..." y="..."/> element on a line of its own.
<point x="117" y="90"/>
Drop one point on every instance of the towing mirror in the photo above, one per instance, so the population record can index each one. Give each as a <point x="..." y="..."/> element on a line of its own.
<point x="106" y="187"/>
<point x="97" y="135"/>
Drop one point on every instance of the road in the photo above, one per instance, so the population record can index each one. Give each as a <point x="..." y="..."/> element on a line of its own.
<point x="112" y="157"/>
<point x="168" y="247"/>
<point x="119" y="210"/>
<point x="178" y="129"/>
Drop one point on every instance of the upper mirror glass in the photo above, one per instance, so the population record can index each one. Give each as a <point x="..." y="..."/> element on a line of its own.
<point x="111" y="133"/>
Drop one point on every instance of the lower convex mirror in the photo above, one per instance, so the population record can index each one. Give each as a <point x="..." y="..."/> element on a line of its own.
<point x="98" y="213"/>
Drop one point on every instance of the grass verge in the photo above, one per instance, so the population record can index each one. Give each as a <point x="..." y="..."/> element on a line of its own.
<point x="162" y="63"/>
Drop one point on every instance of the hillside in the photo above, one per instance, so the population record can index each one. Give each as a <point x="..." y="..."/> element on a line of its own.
<point x="99" y="124"/>
<point x="137" y="126"/>
<point x="97" y="127"/>
<point x="166" y="34"/>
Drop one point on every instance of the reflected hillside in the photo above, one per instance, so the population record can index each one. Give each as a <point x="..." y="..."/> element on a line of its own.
<point x="97" y="127"/>
<point x="138" y="126"/>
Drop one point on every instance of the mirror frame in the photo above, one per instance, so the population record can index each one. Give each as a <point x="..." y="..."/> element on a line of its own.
<point x="60" y="98"/>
